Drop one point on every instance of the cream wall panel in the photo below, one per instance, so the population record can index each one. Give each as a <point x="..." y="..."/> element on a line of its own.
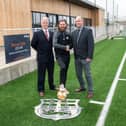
<point x="59" y="7"/>
<point x="15" y="14"/>
<point x="50" y="6"/>
<point x="101" y="17"/>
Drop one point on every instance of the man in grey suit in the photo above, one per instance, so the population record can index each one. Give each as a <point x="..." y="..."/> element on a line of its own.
<point x="83" y="45"/>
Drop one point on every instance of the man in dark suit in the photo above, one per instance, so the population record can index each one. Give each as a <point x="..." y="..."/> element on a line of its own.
<point x="42" y="43"/>
<point x="83" y="44"/>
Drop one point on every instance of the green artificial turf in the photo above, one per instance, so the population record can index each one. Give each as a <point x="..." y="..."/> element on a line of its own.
<point x="18" y="97"/>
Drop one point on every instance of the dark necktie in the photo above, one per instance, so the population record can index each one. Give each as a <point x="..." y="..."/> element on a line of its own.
<point x="78" y="34"/>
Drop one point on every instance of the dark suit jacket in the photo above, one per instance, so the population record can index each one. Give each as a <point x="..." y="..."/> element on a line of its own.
<point x="43" y="46"/>
<point x="84" y="48"/>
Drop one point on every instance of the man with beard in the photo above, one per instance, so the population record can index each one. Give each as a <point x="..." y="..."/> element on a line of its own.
<point x="62" y="43"/>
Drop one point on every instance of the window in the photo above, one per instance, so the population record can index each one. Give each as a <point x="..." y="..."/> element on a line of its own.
<point x="72" y="21"/>
<point x="60" y="17"/>
<point x="52" y="20"/>
<point x="87" y="22"/>
<point x="68" y="20"/>
<point x="43" y="15"/>
<point x="36" y="19"/>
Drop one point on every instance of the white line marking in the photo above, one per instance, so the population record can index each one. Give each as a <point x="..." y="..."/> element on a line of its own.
<point x="96" y="102"/>
<point x="122" y="79"/>
<point x="105" y="109"/>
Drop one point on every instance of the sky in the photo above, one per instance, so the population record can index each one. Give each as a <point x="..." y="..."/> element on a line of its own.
<point x="122" y="8"/>
<point x="119" y="7"/>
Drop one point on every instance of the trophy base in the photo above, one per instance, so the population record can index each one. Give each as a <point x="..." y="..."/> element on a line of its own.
<point x="56" y="109"/>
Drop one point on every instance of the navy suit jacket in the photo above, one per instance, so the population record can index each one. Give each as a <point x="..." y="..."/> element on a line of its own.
<point x="84" y="47"/>
<point x="43" y="46"/>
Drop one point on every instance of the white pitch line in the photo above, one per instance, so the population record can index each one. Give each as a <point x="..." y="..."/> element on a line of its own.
<point x="96" y="102"/>
<point x="122" y="79"/>
<point x="105" y="109"/>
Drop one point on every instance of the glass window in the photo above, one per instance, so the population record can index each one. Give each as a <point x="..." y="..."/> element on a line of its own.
<point x="87" y="22"/>
<point x="65" y="17"/>
<point x="38" y="18"/>
<point x="33" y="18"/>
<point x="68" y="20"/>
<point x="60" y="17"/>
<point x="52" y="20"/>
<point x="73" y="21"/>
<point x="43" y="15"/>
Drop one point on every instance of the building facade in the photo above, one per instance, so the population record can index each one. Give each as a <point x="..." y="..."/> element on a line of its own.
<point x="22" y="16"/>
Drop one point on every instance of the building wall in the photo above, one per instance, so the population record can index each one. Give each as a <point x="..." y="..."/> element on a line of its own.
<point x="59" y="7"/>
<point x="50" y="6"/>
<point x="101" y="21"/>
<point x="14" y="15"/>
<point x="17" y="14"/>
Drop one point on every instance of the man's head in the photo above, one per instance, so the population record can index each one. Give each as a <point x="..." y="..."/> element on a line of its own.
<point x="62" y="25"/>
<point x="44" y="23"/>
<point x="79" y="22"/>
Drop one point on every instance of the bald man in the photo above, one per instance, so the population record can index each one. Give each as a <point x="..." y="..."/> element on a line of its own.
<point x="42" y="43"/>
<point x="83" y="44"/>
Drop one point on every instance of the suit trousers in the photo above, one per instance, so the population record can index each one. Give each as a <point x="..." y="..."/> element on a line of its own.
<point x="63" y="62"/>
<point x="80" y="65"/>
<point x="42" y="67"/>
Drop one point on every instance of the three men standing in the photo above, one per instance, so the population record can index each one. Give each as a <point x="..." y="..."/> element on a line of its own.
<point x="83" y="44"/>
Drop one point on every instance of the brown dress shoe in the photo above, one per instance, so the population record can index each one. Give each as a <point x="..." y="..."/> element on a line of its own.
<point x="90" y="95"/>
<point x="80" y="90"/>
<point x="41" y="94"/>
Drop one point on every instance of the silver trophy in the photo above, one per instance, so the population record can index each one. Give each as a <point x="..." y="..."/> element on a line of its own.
<point x="61" y="108"/>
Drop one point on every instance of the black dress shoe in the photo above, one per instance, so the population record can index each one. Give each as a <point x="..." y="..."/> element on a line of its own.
<point x="80" y="89"/>
<point x="53" y="88"/>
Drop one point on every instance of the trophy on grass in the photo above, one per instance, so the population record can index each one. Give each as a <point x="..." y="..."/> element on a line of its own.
<point x="61" y="95"/>
<point x="60" y="108"/>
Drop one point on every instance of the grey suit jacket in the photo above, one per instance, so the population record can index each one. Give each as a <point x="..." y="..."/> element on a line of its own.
<point x="83" y="44"/>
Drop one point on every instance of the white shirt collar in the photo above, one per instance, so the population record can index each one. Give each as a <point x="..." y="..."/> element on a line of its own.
<point x="45" y="30"/>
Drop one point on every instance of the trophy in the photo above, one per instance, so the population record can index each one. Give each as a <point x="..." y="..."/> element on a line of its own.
<point x="62" y="93"/>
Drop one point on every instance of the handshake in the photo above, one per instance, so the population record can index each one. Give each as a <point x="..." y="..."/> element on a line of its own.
<point x="67" y="48"/>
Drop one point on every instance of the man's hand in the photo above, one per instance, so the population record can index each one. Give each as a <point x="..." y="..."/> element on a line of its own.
<point x="88" y="60"/>
<point x="67" y="48"/>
